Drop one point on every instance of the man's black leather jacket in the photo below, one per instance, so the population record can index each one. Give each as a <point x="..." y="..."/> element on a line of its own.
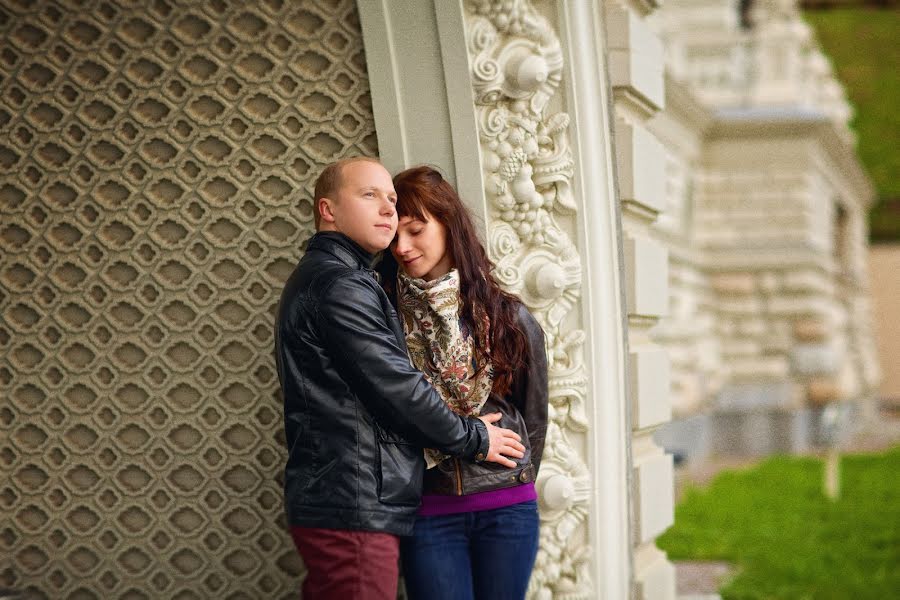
<point x="356" y="413"/>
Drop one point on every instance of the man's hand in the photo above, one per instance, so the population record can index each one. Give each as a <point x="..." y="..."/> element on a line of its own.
<point x="504" y="442"/>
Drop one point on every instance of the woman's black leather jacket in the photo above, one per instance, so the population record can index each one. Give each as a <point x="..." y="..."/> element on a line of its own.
<point x="524" y="411"/>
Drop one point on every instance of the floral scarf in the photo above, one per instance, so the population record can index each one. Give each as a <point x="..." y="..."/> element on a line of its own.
<point x="441" y="346"/>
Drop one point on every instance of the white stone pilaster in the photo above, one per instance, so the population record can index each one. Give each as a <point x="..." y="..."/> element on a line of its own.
<point x="636" y="67"/>
<point x="547" y="194"/>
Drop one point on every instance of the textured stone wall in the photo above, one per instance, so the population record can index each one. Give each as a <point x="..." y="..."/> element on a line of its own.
<point x="156" y="160"/>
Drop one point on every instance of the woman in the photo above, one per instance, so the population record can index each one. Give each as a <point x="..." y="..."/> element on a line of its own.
<point x="476" y="534"/>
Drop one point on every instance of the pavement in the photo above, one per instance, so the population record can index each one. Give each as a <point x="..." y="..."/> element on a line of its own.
<point x="700" y="580"/>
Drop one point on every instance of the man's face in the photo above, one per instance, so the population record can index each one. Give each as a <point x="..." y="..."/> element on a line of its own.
<point x="363" y="207"/>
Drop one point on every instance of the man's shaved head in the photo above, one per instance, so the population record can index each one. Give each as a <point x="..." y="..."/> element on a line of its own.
<point x="330" y="180"/>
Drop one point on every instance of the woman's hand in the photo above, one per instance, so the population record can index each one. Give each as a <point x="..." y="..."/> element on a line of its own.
<point x="504" y="442"/>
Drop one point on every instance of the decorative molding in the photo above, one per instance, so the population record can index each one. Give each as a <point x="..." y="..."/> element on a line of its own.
<point x="516" y="68"/>
<point x="646" y="270"/>
<point x="641" y="168"/>
<point x="600" y="237"/>
<point x="649" y="373"/>
<point x="635" y="57"/>
<point x="543" y="240"/>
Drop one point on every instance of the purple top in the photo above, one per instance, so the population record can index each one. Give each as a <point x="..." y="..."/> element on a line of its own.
<point x="434" y="505"/>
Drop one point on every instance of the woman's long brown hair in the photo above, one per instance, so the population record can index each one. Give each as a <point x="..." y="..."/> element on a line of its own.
<point x="422" y="193"/>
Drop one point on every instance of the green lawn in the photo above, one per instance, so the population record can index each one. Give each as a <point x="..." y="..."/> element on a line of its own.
<point x="863" y="46"/>
<point x="790" y="542"/>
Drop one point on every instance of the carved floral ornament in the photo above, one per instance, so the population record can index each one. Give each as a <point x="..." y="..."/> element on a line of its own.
<point x="516" y="68"/>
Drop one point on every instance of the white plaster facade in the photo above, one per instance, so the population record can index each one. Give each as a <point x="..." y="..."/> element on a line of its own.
<point x="525" y="121"/>
<point x="618" y="200"/>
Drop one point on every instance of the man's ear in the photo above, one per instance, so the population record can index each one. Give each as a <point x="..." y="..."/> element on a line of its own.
<point x="324" y="206"/>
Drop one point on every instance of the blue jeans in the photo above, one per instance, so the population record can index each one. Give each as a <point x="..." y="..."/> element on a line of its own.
<point x="485" y="555"/>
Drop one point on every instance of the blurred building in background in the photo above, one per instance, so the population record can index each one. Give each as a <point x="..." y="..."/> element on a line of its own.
<point x="770" y="318"/>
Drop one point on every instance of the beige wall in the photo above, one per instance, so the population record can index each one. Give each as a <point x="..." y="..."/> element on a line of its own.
<point x="884" y="265"/>
<point x="156" y="167"/>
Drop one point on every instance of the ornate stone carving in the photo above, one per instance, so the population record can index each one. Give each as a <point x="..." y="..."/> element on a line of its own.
<point x="516" y="67"/>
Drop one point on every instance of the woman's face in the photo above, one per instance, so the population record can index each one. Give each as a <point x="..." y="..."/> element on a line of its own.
<point x="420" y="248"/>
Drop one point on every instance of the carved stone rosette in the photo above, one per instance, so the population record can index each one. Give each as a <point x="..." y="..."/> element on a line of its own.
<point x="516" y="66"/>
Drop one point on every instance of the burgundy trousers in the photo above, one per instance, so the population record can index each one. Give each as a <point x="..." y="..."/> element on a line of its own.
<point x="348" y="565"/>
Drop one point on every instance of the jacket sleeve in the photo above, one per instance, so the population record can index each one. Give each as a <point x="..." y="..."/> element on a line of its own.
<point x="355" y="331"/>
<point x="530" y="386"/>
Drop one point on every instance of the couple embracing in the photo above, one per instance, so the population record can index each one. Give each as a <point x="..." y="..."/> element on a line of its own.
<point x="415" y="397"/>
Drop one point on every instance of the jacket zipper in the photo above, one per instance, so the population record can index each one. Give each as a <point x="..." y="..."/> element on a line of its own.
<point x="458" y="477"/>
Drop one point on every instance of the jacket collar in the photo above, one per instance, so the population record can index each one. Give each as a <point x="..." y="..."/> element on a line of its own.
<point x="341" y="246"/>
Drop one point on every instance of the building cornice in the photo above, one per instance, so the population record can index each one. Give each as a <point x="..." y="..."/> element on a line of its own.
<point x="685" y="107"/>
<point x="800" y="124"/>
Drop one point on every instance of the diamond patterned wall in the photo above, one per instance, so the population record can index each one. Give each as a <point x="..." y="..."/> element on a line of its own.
<point x="156" y="164"/>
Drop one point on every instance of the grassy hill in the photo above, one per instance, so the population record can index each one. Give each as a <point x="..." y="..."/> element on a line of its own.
<point x="863" y="46"/>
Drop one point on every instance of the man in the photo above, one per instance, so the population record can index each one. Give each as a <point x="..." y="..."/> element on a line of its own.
<point x="357" y="414"/>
